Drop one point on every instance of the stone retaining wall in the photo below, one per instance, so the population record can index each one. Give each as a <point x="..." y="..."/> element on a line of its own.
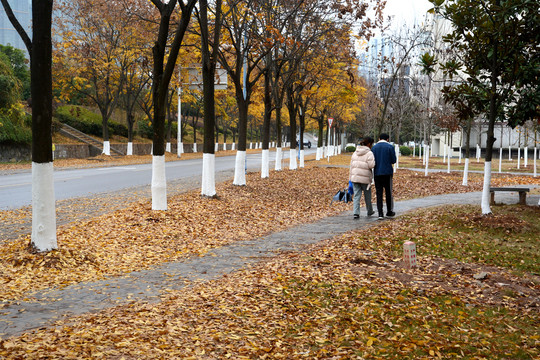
<point x="74" y="151"/>
<point x="15" y="153"/>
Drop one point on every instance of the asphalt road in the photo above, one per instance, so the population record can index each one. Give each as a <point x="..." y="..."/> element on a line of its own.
<point x="16" y="189"/>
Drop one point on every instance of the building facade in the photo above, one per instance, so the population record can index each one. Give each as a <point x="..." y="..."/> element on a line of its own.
<point x="8" y="35"/>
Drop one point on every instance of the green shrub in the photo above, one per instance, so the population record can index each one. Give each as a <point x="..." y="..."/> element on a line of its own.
<point x="13" y="129"/>
<point x="56" y="125"/>
<point x="87" y="121"/>
<point x="146" y="129"/>
<point x="350" y="149"/>
<point x="174" y="129"/>
<point x="80" y="119"/>
<point x="118" y="129"/>
<point x="405" y="150"/>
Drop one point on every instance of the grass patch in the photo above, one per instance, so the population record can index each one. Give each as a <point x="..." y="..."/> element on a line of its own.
<point x="370" y="322"/>
<point x="507" y="238"/>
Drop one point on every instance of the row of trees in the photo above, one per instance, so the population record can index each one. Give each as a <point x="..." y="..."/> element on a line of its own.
<point x="294" y="55"/>
<point x="481" y="59"/>
<point x="278" y="54"/>
<point x="100" y="64"/>
<point x="493" y="64"/>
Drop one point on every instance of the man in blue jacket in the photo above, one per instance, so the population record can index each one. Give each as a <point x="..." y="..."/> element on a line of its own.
<point x="385" y="157"/>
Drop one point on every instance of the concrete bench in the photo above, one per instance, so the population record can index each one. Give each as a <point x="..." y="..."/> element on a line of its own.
<point x="522" y="193"/>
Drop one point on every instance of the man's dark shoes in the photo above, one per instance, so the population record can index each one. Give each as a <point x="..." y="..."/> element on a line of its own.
<point x="356" y="216"/>
<point x="390" y="214"/>
<point x="370" y="213"/>
<point x="381" y="217"/>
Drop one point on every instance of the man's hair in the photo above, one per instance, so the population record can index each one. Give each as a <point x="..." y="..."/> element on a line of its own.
<point x="384" y="136"/>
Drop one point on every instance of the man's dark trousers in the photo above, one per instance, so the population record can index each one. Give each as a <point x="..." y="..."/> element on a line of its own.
<point x="384" y="183"/>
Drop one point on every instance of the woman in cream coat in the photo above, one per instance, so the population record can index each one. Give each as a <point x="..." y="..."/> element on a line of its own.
<point x="361" y="175"/>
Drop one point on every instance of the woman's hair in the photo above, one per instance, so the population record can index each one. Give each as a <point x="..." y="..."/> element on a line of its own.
<point x="366" y="141"/>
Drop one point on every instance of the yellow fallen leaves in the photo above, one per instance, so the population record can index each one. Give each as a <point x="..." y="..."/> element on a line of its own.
<point x="311" y="305"/>
<point x="136" y="237"/>
<point x="314" y="304"/>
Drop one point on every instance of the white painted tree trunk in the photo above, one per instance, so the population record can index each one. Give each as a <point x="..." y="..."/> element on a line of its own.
<point x="180" y="149"/>
<point x="427" y="161"/>
<point x="485" y="192"/>
<point x="250" y="146"/>
<point x="279" y="158"/>
<point x="168" y="147"/>
<point x="216" y="148"/>
<point x="535" y="158"/>
<point x="519" y="158"/>
<point x="233" y="146"/>
<point x="208" y="183"/>
<point x="500" y="160"/>
<point x="460" y="154"/>
<point x="525" y="156"/>
<point x="478" y="153"/>
<point x="449" y="157"/>
<point x="302" y="158"/>
<point x="318" y="154"/>
<point x="293" y="165"/>
<point x="43" y="207"/>
<point x="466" y="173"/>
<point x="509" y="153"/>
<point x="396" y="148"/>
<point x="106" y="148"/>
<point x="129" y="149"/>
<point x="444" y="154"/>
<point x="265" y="164"/>
<point x="240" y="169"/>
<point x="159" y="183"/>
<point x="195" y="147"/>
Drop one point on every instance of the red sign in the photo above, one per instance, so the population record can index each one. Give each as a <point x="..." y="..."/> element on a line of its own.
<point x="330" y="122"/>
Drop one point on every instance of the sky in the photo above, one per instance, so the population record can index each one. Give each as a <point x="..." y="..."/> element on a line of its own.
<point x="407" y="11"/>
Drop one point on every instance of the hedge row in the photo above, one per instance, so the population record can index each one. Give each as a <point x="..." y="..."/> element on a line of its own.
<point x="88" y="122"/>
<point x="13" y="133"/>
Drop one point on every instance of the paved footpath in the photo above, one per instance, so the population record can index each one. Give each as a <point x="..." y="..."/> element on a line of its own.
<point x="148" y="285"/>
